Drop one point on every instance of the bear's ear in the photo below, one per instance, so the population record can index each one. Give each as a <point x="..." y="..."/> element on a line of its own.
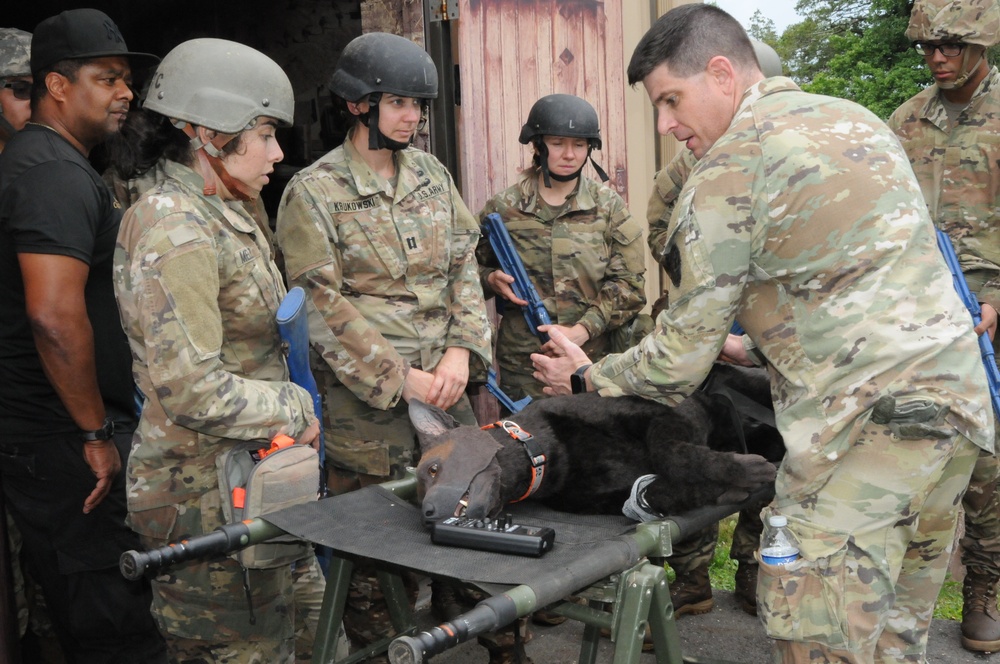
<point x="430" y="420"/>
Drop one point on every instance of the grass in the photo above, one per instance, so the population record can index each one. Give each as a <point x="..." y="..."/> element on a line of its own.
<point x="949" y="604"/>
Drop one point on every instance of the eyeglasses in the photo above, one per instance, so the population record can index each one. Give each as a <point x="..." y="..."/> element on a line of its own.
<point x="947" y="50"/>
<point x="21" y="89"/>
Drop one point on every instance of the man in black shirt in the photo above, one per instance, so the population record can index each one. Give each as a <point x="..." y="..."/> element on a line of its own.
<point x="67" y="405"/>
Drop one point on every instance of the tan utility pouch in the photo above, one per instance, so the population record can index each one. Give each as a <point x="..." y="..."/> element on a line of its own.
<point x="254" y="481"/>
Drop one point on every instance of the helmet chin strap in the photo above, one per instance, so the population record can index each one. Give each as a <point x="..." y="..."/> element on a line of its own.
<point x="543" y="157"/>
<point x="210" y="162"/>
<point x="967" y="72"/>
<point x="376" y="139"/>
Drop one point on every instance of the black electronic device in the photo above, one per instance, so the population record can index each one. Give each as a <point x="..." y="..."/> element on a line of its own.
<point x="496" y="535"/>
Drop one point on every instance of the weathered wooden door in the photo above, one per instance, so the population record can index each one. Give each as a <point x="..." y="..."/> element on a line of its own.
<point x="511" y="53"/>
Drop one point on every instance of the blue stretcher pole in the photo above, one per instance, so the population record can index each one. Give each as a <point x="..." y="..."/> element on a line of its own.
<point x="972" y="304"/>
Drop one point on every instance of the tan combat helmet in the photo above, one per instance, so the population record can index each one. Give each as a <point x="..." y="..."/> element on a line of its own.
<point x="966" y="21"/>
<point x="975" y="22"/>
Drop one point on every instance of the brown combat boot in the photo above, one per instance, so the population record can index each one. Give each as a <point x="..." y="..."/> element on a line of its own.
<point x="980" y="621"/>
<point x="746" y="587"/>
<point x="691" y="593"/>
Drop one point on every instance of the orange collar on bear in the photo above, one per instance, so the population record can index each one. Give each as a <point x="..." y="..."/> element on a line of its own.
<point x="531" y="447"/>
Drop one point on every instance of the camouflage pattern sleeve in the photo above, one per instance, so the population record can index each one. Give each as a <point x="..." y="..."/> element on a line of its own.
<point x="667" y="186"/>
<point x="354" y="349"/>
<point x="484" y="253"/>
<point x="188" y="341"/>
<point x="469" y="327"/>
<point x="673" y="361"/>
<point x="622" y="291"/>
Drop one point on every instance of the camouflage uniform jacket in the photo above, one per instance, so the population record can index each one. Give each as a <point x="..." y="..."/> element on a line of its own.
<point x="198" y="293"/>
<point x="667" y="187"/>
<point x="392" y="274"/>
<point x="805" y="220"/>
<point x="957" y="168"/>
<point x="587" y="263"/>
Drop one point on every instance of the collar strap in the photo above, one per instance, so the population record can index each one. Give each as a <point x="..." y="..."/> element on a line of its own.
<point x="534" y="451"/>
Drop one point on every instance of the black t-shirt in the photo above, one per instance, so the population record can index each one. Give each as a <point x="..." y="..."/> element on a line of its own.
<point x="53" y="202"/>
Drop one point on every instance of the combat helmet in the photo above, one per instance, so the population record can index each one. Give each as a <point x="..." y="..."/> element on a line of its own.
<point x="380" y="63"/>
<point x="562" y="115"/>
<point x="966" y="21"/>
<point x="767" y="58"/>
<point x="220" y="85"/>
<point x="15" y="52"/>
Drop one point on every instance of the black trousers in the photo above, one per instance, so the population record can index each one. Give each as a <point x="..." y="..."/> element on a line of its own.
<point x="99" y="617"/>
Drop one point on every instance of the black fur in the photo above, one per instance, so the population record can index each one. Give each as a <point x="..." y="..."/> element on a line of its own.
<point x="596" y="448"/>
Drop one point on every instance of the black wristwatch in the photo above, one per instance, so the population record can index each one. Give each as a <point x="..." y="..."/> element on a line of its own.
<point x="577" y="382"/>
<point x="106" y="431"/>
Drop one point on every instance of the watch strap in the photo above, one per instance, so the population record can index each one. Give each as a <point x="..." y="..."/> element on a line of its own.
<point x="106" y="431"/>
<point x="578" y="382"/>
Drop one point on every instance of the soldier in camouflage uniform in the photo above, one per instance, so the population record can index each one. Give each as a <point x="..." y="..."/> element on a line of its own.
<point x="198" y="293"/>
<point x="691" y="590"/>
<point x="377" y="234"/>
<point x="950" y="132"/>
<point x="803" y="221"/>
<point x="579" y="244"/>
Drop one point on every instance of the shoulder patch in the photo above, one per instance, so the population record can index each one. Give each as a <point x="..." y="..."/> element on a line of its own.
<point x="181" y="235"/>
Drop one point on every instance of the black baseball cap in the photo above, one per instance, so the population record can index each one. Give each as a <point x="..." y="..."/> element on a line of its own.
<point x="80" y="34"/>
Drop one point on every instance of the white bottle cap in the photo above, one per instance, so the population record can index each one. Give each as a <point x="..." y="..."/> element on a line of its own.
<point x="778" y="520"/>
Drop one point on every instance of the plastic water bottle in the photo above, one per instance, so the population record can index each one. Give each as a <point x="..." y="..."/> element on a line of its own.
<point x="780" y="546"/>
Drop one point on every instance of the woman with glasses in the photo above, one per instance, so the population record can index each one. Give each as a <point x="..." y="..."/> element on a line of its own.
<point x="15" y="82"/>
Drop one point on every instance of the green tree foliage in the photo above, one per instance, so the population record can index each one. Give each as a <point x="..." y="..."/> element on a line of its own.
<point x="853" y="49"/>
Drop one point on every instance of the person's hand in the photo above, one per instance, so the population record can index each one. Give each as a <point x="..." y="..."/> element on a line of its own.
<point x="989" y="321"/>
<point x="577" y="334"/>
<point x="554" y="371"/>
<point x="734" y="352"/>
<point x="102" y="457"/>
<point x="310" y="436"/>
<point x="500" y="282"/>
<point x="418" y="382"/>
<point x="451" y="375"/>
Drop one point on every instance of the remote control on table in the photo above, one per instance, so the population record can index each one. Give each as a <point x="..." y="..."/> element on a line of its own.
<point x="497" y="535"/>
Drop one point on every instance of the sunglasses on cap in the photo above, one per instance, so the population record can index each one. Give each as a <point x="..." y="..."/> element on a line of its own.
<point x="21" y="89"/>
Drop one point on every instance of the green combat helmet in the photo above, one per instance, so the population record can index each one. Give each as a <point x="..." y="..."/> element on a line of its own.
<point x="767" y="58"/>
<point x="220" y="85"/>
<point x="965" y="21"/>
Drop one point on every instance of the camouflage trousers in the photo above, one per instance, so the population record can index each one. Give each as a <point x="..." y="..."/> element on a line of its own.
<point x="367" y="441"/>
<point x="981" y="542"/>
<point x="698" y="550"/>
<point x="214" y="611"/>
<point x="874" y="542"/>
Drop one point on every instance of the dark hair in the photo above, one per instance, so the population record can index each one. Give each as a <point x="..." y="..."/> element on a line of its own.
<point x="68" y="68"/>
<point x="686" y="38"/>
<point x="146" y="137"/>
